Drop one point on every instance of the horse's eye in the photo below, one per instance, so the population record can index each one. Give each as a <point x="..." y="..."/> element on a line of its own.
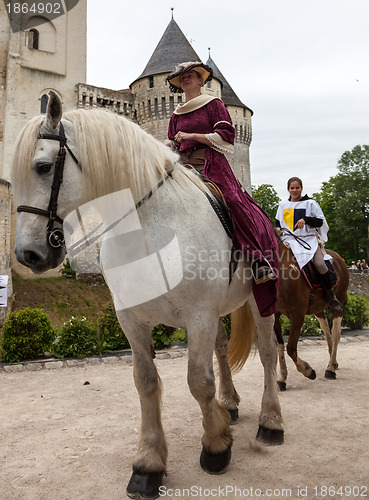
<point x="43" y="168"/>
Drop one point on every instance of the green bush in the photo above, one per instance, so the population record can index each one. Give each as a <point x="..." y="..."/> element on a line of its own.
<point x="227" y="324"/>
<point x="356" y="312"/>
<point x="162" y="336"/>
<point x="285" y="324"/>
<point x="311" y="326"/>
<point x="67" y="271"/>
<point x="111" y="335"/>
<point x="356" y="316"/>
<point x="76" y="339"/>
<point x="178" y="335"/>
<point x="27" y="334"/>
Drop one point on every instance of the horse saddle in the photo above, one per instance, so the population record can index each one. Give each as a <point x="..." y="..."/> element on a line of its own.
<point x="218" y="203"/>
<point x="312" y="277"/>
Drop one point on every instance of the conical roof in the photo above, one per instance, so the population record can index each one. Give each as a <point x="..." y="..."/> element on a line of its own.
<point x="229" y="96"/>
<point x="172" y="49"/>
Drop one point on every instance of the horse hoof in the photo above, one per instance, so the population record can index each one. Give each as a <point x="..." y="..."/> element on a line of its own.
<point x="215" y="463"/>
<point x="144" y="485"/>
<point x="312" y="375"/>
<point x="330" y="375"/>
<point x="234" y="415"/>
<point x="282" y="386"/>
<point x="270" y="437"/>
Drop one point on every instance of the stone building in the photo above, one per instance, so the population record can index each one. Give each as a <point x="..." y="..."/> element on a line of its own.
<point x="40" y="56"/>
<point x="51" y="55"/>
<point x="150" y="103"/>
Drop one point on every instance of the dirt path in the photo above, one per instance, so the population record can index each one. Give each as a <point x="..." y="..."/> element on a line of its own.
<point x="64" y="440"/>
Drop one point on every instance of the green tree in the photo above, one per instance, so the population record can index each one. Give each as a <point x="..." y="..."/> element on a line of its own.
<point x="345" y="203"/>
<point x="266" y="196"/>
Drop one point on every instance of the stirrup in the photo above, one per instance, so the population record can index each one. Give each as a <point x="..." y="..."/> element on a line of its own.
<point x="266" y="273"/>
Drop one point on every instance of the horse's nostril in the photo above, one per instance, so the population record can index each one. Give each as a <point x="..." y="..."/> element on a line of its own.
<point x="31" y="258"/>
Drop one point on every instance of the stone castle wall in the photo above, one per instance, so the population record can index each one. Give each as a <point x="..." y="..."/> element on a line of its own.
<point x="5" y="245"/>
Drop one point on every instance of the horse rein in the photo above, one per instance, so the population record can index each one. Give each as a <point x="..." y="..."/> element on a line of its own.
<point x="299" y="240"/>
<point x="89" y="239"/>
<point x="55" y="237"/>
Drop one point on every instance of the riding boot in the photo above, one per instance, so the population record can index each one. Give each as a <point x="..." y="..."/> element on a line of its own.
<point x="333" y="303"/>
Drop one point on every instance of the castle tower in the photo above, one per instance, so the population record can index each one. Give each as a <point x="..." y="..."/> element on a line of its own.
<point x="43" y="55"/>
<point x="241" y="118"/>
<point x="38" y="55"/>
<point x="155" y="103"/>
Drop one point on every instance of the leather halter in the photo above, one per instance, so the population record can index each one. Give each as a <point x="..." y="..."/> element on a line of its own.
<point x="55" y="237"/>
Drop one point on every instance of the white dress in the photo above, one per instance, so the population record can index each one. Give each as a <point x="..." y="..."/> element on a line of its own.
<point x="288" y="214"/>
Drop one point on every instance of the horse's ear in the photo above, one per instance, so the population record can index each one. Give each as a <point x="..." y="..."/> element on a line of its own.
<point x="54" y="110"/>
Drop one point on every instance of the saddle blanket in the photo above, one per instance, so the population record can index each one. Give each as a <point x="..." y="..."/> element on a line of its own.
<point x="311" y="275"/>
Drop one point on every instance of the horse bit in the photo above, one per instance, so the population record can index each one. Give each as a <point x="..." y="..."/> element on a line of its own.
<point x="55" y="237"/>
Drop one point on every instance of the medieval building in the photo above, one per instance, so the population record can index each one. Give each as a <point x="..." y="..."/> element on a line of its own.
<point x="150" y="103"/>
<point x="50" y="54"/>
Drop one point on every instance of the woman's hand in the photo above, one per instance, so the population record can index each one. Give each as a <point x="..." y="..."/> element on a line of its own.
<point x="182" y="137"/>
<point x="169" y="143"/>
<point x="300" y="224"/>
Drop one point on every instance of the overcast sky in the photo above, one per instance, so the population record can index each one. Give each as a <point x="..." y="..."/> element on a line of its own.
<point x="302" y="66"/>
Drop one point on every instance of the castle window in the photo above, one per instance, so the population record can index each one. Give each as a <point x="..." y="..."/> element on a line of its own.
<point x="156" y="108"/>
<point x="149" y="109"/>
<point x="171" y="104"/>
<point x="163" y="107"/>
<point x="44" y="37"/>
<point x="151" y="82"/>
<point x="44" y="101"/>
<point x="179" y="98"/>
<point x="33" y="39"/>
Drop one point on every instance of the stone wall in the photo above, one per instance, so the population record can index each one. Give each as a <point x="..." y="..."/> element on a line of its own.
<point x="5" y="254"/>
<point x="359" y="282"/>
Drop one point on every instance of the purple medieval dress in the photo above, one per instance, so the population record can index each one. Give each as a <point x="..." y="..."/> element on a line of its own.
<point x="254" y="234"/>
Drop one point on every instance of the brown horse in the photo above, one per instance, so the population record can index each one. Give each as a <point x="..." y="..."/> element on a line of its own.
<point x="296" y="299"/>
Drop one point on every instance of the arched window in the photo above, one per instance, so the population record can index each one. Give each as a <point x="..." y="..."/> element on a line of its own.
<point x="44" y="101"/>
<point x="33" y="39"/>
<point x="44" y="37"/>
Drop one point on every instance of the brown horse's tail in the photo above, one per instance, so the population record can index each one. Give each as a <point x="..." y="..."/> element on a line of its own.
<point x="243" y="334"/>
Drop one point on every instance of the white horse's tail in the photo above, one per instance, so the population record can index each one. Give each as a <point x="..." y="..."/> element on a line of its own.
<point x="243" y="335"/>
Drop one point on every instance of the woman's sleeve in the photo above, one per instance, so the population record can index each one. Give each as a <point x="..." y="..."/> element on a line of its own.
<point x="172" y="128"/>
<point x="313" y="221"/>
<point x="223" y="135"/>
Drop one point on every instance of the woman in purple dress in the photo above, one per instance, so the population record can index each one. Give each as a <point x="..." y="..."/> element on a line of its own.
<point x="201" y="130"/>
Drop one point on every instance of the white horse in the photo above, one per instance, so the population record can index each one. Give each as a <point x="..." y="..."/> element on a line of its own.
<point x="102" y="153"/>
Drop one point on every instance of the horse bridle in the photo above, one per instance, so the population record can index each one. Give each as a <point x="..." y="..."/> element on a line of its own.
<point x="55" y="237"/>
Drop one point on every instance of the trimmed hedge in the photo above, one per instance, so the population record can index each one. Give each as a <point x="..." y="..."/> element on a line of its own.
<point x="27" y="334"/>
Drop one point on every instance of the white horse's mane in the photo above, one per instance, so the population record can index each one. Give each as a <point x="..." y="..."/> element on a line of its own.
<point x="114" y="154"/>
